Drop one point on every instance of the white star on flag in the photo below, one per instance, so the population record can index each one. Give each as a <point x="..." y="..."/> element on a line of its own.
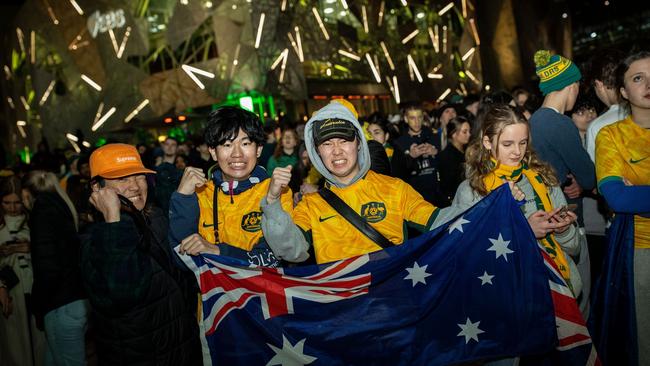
<point x="417" y="274"/>
<point x="470" y="330"/>
<point x="458" y="225"/>
<point x="290" y="355"/>
<point x="500" y="247"/>
<point x="486" y="278"/>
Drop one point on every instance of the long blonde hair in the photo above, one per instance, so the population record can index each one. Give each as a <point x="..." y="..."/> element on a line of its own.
<point x="478" y="158"/>
<point x="41" y="181"/>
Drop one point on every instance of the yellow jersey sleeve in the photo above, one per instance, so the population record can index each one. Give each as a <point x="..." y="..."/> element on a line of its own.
<point x="610" y="164"/>
<point x="418" y="213"/>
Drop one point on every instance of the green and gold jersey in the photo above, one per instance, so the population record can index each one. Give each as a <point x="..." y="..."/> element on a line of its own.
<point x="623" y="151"/>
<point x="240" y="219"/>
<point x="388" y="204"/>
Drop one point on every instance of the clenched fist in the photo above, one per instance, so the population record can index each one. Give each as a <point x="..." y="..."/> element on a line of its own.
<point x="279" y="181"/>
<point x="191" y="180"/>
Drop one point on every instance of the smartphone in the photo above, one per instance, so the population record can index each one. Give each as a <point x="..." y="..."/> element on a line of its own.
<point x="563" y="211"/>
<point x="126" y="203"/>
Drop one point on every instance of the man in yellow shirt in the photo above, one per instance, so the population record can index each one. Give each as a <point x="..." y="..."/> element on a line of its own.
<point x="235" y="139"/>
<point x="338" y="149"/>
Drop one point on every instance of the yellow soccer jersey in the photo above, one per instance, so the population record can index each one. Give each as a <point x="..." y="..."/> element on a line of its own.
<point x="388" y="204"/>
<point x="240" y="220"/>
<point x="623" y="151"/>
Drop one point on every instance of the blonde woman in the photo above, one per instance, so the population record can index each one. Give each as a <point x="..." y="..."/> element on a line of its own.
<point x="502" y="153"/>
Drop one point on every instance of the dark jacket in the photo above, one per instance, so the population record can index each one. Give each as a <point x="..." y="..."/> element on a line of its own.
<point x="422" y="172"/>
<point x="143" y="307"/>
<point x="55" y="255"/>
<point x="451" y="162"/>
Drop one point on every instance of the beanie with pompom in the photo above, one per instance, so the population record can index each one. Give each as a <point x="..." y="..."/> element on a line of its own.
<point x="555" y="72"/>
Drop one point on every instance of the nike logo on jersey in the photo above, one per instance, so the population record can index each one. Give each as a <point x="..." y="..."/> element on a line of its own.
<point x="321" y="219"/>
<point x="632" y="161"/>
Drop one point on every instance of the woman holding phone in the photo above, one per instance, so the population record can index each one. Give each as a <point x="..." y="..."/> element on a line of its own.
<point x="502" y="153"/>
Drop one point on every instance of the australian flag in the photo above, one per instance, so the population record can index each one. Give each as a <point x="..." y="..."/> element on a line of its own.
<point x="476" y="289"/>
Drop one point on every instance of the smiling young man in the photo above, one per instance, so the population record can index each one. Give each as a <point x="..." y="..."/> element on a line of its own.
<point x="235" y="139"/>
<point x="337" y="148"/>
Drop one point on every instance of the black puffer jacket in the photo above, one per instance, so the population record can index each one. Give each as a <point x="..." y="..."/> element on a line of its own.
<point x="55" y="255"/>
<point x="143" y="307"/>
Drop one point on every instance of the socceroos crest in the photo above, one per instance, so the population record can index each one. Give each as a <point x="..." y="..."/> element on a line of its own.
<point x="252" y="222"/>
<point x="373" y="211"/>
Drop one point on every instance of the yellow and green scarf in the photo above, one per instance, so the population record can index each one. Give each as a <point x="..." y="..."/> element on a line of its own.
<point x="542" y="199"/>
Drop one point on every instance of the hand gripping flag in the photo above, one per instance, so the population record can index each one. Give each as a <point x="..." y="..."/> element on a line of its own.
<point x="478" y="288"/>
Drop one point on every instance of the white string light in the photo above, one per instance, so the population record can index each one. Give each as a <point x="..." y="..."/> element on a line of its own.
<point x="47" y="93"/>
<point x="102" y="120"/>
<point x="320" y="23"/>
<point x="374" y="70"/>
<point x="410" y="36"/>
<point x="191" y="70"/>
<point x="445" y="9"/>
<point x="77" y="7"/>
<point x="349" y="55"/>
<point x="124" y="40"/>
<point x="444" y="94"/>
<point x="136" y="111"/>
<point x="91" y="82"/>
<point x="413" y="66"/>
<point x="260" y="27"/>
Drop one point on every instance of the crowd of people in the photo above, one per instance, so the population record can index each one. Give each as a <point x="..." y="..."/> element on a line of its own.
<point x="88" y="271"/>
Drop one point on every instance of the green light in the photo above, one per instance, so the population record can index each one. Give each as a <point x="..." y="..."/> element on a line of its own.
<point x="462" y="75"/>
<point x="178" y="134"/>
<point x="246" y="103"/>
<point x="100" y="142"/>
<point x="25" y="155"/>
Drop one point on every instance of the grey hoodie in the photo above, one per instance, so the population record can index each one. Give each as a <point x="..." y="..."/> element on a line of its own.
<point x="283" y="236"/>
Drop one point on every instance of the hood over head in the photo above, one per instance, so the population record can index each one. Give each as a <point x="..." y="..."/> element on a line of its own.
<point x="337" y="113"/>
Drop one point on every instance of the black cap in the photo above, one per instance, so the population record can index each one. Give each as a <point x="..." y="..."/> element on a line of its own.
<point x="326" y="129"/>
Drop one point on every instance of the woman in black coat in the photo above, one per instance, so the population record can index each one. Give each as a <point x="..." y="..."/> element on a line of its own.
<point x="59" y="300"/>
<point x="451" y="161"/>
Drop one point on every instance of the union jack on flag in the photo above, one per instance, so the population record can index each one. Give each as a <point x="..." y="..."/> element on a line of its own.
<point x="476" y="289"/>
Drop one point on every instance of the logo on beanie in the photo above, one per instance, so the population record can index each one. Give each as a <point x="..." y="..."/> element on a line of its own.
<point x="373" y="211"/>
<point x="553" y="69"/>
<point x="252" y="222"/>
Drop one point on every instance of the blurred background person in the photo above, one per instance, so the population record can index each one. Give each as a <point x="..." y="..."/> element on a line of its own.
<point x="452" y="159"/>
<point x="59" y="300"/>
<point x="21" y="343"/>
<point x="286" y="151"/>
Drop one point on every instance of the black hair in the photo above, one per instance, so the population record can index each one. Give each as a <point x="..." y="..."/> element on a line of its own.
<point x="455" y="125"/>
<point x="408" y="106"/>
<point x="603" y="67"/>
<point x="379" y="161"/>
<point x="379" y="120"/>
<point x="470" y="99"/>
<point x="224" y="124"/>
<point x="585" y="102"/>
